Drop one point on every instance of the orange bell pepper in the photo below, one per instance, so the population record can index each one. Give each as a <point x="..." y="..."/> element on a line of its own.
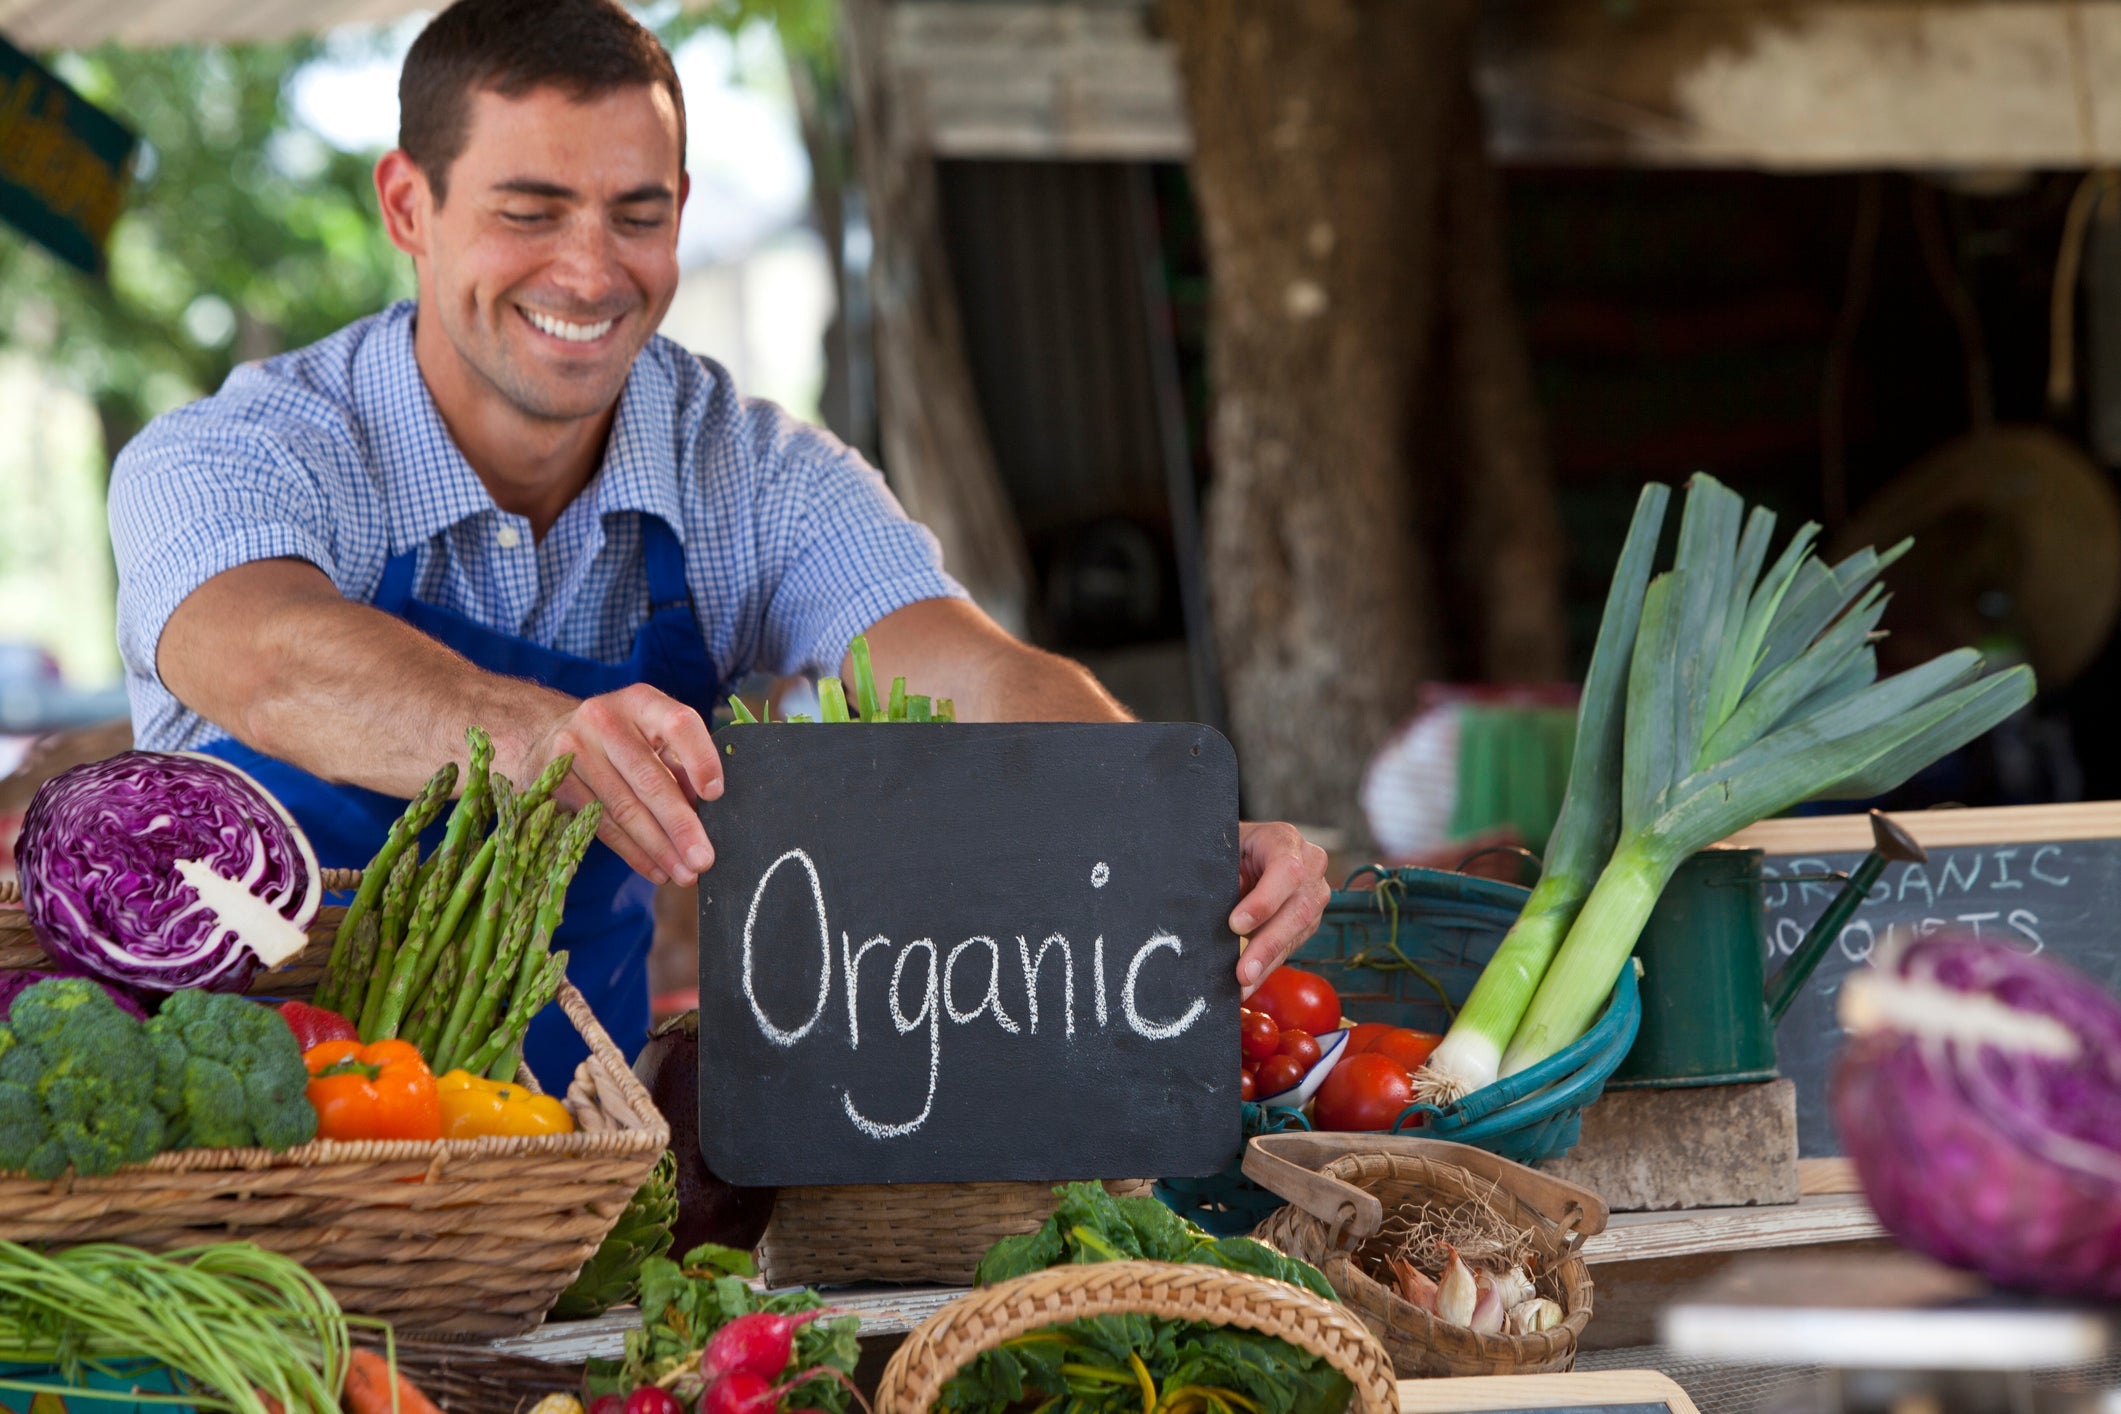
<point x="383" y="1090"/>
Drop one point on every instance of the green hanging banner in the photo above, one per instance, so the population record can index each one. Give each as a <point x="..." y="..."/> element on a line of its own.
<point x="64" y="163"/>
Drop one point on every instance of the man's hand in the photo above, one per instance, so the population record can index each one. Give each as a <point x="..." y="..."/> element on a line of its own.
<point x="1283" y="876"/>
<point x="649" y="759"/>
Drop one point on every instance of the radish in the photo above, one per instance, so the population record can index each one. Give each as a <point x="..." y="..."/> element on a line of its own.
<point x="649" y="1399"/>
<point x="740" y="1392"/>
<point x="760" y="1344"/>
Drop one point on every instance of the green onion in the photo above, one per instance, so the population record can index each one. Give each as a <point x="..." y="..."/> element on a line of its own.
<point x="864" y="680"/>
<point x="919" y="709"/>
<point x="897" y="710"/>
<point x="832" y="700"/>
<point x="738" y="712"/>
<point x="1745" y="698"/>
<point x="1471" y="1052"/>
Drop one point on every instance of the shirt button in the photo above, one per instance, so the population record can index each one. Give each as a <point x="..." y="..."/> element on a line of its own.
<point x="509" y="538"/>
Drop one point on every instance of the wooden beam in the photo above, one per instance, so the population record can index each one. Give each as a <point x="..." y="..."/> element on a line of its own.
<point x="1937" y="829"/>
<point x="1778" y="84"/>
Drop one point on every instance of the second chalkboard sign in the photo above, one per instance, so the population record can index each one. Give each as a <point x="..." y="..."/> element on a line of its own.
<point x="960" y="953"/>
<point x="2044" y="878"/>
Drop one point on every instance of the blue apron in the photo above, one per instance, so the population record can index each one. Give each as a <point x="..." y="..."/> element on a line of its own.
<point x="610" y="920"/>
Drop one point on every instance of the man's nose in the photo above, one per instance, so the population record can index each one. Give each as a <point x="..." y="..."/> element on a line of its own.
<point x="587" y="264"/>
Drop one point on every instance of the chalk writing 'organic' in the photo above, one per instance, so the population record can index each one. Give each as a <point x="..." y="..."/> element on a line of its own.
<point x="939" y="991"/>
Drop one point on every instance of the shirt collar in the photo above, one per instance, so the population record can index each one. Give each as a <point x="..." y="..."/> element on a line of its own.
<point x="427" y="484"/>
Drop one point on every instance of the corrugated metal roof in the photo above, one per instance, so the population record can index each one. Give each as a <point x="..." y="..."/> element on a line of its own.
<point x="82" y="24"/>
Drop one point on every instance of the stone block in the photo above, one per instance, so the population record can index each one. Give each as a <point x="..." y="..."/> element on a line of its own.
<point x="1707" y="1146"/>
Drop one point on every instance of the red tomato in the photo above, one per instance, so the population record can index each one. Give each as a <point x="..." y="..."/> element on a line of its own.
<point x="1261" y="1035"/>
<point x="1365" y="1092"/>
<point x="1410" y="1048"/>
<point x="1248" y="1089"/>
<point x="1301" y="1045"/>
<point x="1298" y="1001"/>
<point x="1279" y="1073"/>
<point x="1363" y="1035"/>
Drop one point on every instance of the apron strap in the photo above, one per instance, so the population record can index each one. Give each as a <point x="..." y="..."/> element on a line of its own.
<point x="394" y="590"/>
<point x="665" y="557"/>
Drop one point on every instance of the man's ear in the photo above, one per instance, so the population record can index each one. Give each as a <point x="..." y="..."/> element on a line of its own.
<point x="407" y="202"/>
<point x="684" y="190"/>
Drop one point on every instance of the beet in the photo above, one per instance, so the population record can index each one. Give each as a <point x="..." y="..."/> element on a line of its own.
<point x="709" y="1209"/>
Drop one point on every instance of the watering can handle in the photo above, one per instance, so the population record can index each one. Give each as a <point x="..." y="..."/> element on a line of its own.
<point x="1889" y="842"/>
<point x="1288" y="1165"/>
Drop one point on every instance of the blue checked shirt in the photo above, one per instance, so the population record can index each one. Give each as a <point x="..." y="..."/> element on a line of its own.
<point x="335" y="454"/>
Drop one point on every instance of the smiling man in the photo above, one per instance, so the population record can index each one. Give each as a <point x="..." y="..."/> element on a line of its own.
<point x="510" y="503"/>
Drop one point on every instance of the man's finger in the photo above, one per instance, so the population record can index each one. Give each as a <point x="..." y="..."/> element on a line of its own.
<point x="1282" y="859"/>
<point x="683" y="850"/>
<point x="1282" y="934"/>
<point x="682" y="740"/>
<point x="628" y="826"/>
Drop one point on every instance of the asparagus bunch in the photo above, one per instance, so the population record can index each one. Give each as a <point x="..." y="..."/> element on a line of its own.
<point x="833" y="705"/>
<point x="453" y="952"/>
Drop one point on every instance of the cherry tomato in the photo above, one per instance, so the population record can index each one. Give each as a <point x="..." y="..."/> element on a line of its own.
<point x="1279" y="1073"/>
<point x="1410" y="1048"/>
<point x="1365" y="1092"/>
<point x="1261" y="1035"/>
<point x="1298" y="1001"/>
<point x="1248" y="1089"/>
<point x="1301" y="1045"/>
<point x="1363" y="1035"/>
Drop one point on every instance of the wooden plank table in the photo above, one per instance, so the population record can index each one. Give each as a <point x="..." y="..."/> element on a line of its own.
<point x="1639" y="1261"/>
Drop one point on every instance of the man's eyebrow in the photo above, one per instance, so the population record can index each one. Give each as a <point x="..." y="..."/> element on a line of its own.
<point x="531" y="186"/>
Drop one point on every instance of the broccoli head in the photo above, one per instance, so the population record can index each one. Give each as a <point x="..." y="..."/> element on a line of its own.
<point x="77" y="1086"/>
<point x="228" y="1074"/>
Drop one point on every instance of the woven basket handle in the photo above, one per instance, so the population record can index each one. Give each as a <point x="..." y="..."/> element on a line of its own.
<point x="1287" y="1165"/>
<point x="972" y="1325"/>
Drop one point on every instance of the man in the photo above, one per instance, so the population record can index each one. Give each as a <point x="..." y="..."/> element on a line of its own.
<point x="509" y="504"/>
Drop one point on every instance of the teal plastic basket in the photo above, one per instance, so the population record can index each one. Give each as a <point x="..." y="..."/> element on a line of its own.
<point x="1394" y="953"/>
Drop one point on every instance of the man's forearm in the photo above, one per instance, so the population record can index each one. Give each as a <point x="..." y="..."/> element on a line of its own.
<point x="274" y="656"/>
<point x="949" y="648"/>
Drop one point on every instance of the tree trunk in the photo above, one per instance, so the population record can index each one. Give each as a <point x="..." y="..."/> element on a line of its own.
<point x="936" y="452"/>
<point x="1372" y="406"/>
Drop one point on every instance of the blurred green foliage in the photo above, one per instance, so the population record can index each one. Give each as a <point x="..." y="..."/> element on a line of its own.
<point x="245" y="232"/>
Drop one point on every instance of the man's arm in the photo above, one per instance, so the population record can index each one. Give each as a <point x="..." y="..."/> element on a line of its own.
<point x="273" y="653"/>
<point x="951" y="646"/>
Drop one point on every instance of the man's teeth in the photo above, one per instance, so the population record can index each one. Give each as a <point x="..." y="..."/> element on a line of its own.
<point x="573" y="333"/>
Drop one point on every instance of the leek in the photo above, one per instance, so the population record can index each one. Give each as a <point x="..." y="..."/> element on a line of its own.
<point x="1749" y="692"/>
<point x="1582" y="838"/>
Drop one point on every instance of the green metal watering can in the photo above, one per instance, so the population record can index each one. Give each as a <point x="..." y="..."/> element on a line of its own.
<point x="1709" y="1010"/>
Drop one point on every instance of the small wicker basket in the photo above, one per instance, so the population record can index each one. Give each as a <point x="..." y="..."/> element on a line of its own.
<point x="972" y="1325"/>
<point x="902" y="1232"/>
<point x="1342" y="1184"/>
<point x="456" y="1237"/>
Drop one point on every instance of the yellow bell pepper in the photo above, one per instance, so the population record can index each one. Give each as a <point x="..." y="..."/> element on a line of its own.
<point x="473" y="1106"/>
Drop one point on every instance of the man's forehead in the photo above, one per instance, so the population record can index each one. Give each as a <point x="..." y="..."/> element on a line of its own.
<point x="634" y="128"/>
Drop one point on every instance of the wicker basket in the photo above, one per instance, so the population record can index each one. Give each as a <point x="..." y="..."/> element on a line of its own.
<point x="902" y="1232"/>
<point x="458" y="1237"/>
<point x="972" y="1325"/>
<point x="1339" y="1203"/>
<point x="463" y="1378"/>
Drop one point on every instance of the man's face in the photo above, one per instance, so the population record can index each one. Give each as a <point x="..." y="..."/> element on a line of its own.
<point x="554" y="256"/>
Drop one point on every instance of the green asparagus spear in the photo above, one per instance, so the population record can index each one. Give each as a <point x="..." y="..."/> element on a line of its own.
<point x="547" y="782"/>
<point x="499" y="909"/>
<point x="574" y="842"/>
<point x="419" y="813"/>
<point x="410" y="975"/>
<point x="360" y="958"/>
<point x="397" y="905"/>
<point x="864" y="680"/>
<point x="897" y="711"/>
<point x="510" y="1033"/>
<point x="832" y="700"/>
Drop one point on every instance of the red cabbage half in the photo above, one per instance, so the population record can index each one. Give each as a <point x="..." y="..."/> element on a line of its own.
<point x="165" y="870"/>
<point x="1980" y="1097"/>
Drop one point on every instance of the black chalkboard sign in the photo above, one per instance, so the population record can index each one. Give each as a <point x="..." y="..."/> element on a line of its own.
<point x="963" y="952"/>
<point x="2047" y="878"/>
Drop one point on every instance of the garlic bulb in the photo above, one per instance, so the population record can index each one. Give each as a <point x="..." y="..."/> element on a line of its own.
<point x="1516" y="1288"/>
<point x="1531" y="1317"/>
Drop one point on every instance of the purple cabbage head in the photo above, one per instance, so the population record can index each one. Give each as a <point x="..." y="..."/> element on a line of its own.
<point x="14" y="984"/>
<point x="165" y="870"/>
<point x="1980" y="1098"/>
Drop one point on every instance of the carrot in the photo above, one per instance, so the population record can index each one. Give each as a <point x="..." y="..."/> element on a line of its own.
<point x="370" y="1388"/>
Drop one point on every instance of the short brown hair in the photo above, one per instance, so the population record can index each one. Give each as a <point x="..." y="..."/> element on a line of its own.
<point x="586" y="47"/>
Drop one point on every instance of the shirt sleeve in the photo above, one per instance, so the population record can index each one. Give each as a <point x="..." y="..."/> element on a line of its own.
<point x="849" y="553"/>
<point x="192" y="496"/>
